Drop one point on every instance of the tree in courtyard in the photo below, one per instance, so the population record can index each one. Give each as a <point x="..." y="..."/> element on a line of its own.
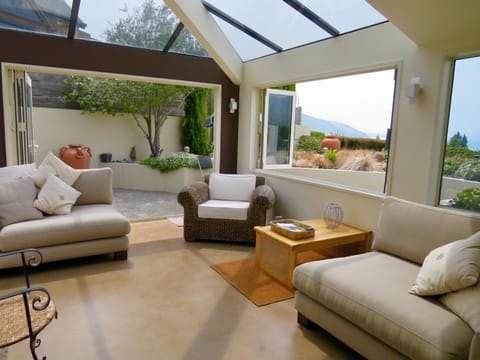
<point x="194" y="134"/>
<point x="148" y="103"/>
<point x="149" y="26"/>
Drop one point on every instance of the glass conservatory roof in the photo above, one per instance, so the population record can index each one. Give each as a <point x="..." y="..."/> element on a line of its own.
<point x="258" y="28"/>
<point x="254" y="28"/>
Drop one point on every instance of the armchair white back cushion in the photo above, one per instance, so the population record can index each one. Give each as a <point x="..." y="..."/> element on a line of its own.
<point x="235" y="187"/>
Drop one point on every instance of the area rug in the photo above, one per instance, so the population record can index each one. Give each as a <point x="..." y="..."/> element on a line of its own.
<point x="153" y="230"/>
<point x="177" y="220"/>
<point x="259" y="287"/>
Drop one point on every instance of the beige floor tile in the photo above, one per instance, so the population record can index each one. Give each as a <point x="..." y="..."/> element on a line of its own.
<point x="165" y="302"/>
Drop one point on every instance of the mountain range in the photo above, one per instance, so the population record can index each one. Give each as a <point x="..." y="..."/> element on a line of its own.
<point x="333" y="127"/>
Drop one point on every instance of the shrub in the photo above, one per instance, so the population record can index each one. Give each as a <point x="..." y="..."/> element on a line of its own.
<point x="451" y="165"/>
<point x="462" y="152"/>
<point x="310" y="143"/>
<point x="469" y="170"/>
<point x="331" y="154"/>
<point x="362" y="143"/>
<point x="468" y="199"/>
<point x="317" y="134"/>
<point x="358" y="160"/>
<point x="171" y="162"/>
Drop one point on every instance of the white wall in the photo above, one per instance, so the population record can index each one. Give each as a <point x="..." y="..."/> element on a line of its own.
<point x="417" y="129"/>
<point x="55" y="128"/>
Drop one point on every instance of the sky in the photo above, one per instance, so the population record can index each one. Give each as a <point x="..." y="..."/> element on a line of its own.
<point x="465" y="103"/>
<point x="363" y="101"/>
<point x="101" y="14"/>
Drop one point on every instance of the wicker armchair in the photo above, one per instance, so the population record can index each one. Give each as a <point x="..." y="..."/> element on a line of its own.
<point x="195" y="227"/>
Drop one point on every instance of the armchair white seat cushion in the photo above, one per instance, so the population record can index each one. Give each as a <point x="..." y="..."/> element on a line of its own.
<point x="224" y="209"/>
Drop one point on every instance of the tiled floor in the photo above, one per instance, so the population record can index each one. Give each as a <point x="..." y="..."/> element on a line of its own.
<point x="141" y="205"/>
<point x="165" y="302"/>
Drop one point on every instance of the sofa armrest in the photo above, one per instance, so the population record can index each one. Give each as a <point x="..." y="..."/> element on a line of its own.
<point x="263" y="196"/>
<point x="192" y="195"/>
<point x="96" y="186"/>
<point x="475" y="347"/>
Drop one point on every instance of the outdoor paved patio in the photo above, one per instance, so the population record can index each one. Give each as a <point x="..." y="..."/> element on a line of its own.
<point x="140" y="205"/>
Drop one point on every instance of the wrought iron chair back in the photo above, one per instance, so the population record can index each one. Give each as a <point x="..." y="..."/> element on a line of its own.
<point x="27" y="311"/>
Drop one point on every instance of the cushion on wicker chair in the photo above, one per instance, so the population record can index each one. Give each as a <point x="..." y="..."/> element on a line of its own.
<point x="223" y="209"/>
<point x="231" y="186"/>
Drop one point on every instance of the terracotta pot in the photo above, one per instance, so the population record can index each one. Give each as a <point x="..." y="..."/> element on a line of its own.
<point x="331" y="142"/>
<point x="76" y="155"/>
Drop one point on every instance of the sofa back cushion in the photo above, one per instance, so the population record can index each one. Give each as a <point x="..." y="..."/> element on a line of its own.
<point x="16" y="201"/>
<point x="16" y="172"/>
<point x="411" y="230"/>
<point x="236" y="187"/>
<point x="95" y="186"/>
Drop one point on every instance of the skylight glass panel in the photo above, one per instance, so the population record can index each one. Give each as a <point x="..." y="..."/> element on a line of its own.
<point x="345" y="15"/>
<point x="287" y="24"/>
<point x="41" y="16"/>
<point x="273" y="19"/>
<point x="139" y="23"/>
<point x="187" y="44"/>
<point x="246" y="47"/>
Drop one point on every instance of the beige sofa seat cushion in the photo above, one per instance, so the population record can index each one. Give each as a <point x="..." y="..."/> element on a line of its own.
<point x="412" y="230"/>
<point x="223" y="209"/>
<point x="85" y="222"/>
<point x="371" y="291"/>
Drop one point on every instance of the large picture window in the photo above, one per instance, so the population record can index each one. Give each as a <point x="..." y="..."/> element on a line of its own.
<point x="460" y="184"/>
<point x="339" y="132"/>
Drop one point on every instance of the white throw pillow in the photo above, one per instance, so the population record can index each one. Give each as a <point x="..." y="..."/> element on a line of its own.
<point x="56" y="197"/>
<point x="53" y="165"/>
<point x="235" y="187"/>
<point x="466" y="304"/>
<point x="450" y="267"/>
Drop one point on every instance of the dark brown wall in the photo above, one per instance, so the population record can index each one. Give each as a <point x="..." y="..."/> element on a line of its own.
<point x="33" y="49"/>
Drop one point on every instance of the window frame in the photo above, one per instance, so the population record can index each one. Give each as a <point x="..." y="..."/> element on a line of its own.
<point x="326" y="179"/>
<point x="447" y="97"/>
<point x="265" y="132"/>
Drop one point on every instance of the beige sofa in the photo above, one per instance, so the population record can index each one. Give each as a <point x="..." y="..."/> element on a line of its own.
<point x="364" y="300"/>
<point x="92" y="226"/>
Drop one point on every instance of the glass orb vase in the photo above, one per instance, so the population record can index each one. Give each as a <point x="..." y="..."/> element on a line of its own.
<point x="333" y="214"/>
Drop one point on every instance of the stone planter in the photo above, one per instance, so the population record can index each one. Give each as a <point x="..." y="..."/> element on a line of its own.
<point x="331" y="142"/>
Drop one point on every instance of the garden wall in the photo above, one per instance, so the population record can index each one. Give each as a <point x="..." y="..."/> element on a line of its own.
<point x="54" y="128"/>
<point x="452" y="186"/>
<point x="360" y="180"/>
<point x="141" y="177"/>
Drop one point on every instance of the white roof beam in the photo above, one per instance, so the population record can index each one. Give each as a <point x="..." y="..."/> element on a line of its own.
<point x="200" y="23"/>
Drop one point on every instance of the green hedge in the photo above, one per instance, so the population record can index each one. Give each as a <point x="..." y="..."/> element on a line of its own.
<point x="362" y="143"/>
<point x="171" y="162"/>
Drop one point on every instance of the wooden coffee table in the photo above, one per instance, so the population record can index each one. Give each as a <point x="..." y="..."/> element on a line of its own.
<point x="278" y="255"/>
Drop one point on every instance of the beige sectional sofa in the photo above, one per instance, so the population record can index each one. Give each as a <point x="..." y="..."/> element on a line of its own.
<point x="366" y="300"/>
<point x="90" y="227"/>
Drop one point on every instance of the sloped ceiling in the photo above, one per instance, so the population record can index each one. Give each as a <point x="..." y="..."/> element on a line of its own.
<point x="428" y="22"/>
<point x="425" y="22"/>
